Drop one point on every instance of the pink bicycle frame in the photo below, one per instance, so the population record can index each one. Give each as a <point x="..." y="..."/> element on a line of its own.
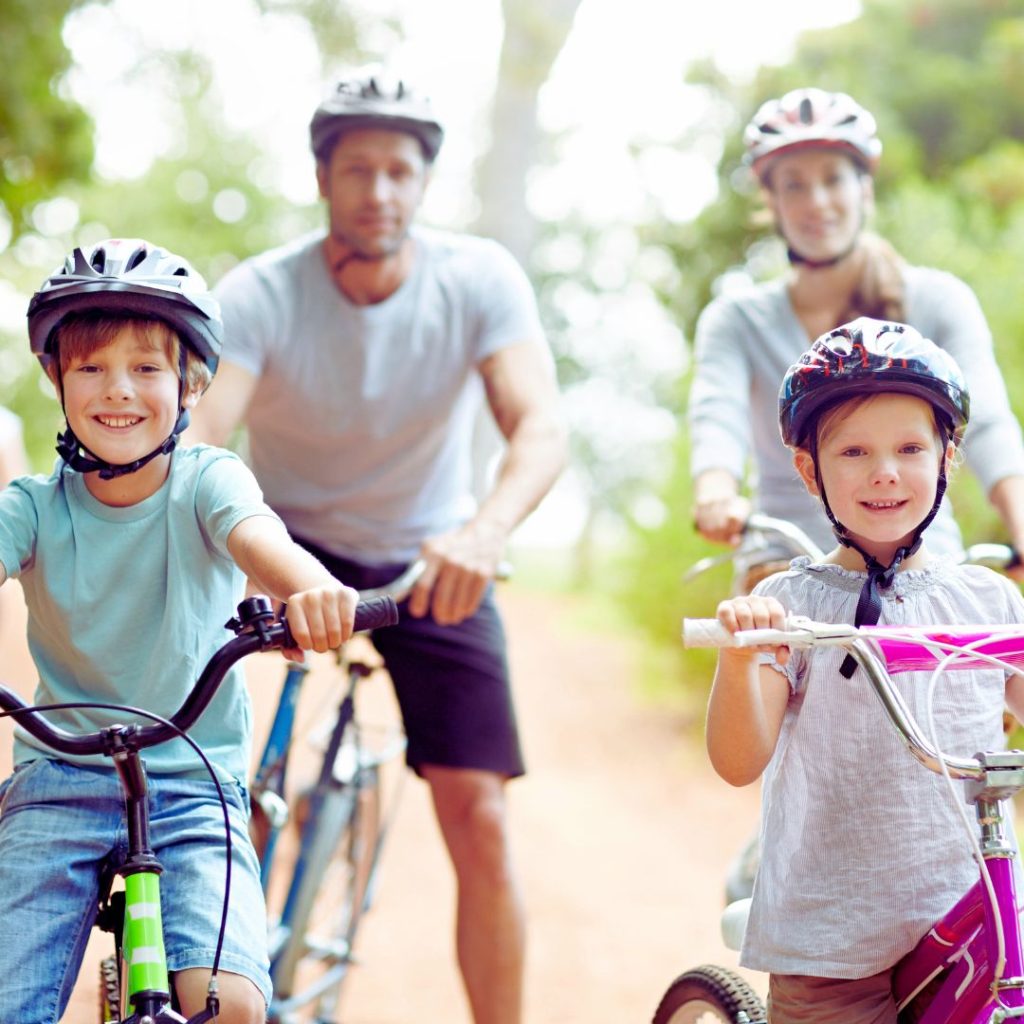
<point x="963" y="944"/>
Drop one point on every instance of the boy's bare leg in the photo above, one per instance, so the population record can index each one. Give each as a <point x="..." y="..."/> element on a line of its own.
<point x="241" y="1002"/>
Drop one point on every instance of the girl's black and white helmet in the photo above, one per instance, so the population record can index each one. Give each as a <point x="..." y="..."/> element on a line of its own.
<point x="811" y="118"/>
<point x="866" y="357"/>
<point x="132" y="277"/>
<point x="370" y="99"/>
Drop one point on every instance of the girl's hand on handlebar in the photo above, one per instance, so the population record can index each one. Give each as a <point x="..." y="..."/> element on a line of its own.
<point x="753" y="612"/>
<point x="321" y="618"/>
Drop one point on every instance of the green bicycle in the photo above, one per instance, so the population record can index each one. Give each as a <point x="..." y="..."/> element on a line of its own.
<point x="135" y="987"/>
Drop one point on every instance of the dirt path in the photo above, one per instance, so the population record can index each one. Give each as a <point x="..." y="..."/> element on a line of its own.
<point x="622" y="834"/>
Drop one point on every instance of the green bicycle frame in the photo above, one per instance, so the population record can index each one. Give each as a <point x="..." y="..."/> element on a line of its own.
<point x="144" y="956"/>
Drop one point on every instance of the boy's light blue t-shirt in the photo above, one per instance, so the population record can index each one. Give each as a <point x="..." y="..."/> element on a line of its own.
<point x="126" y="605"/>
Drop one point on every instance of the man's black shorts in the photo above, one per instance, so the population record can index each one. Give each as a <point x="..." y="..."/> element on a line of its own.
<point x="452" y="682"/>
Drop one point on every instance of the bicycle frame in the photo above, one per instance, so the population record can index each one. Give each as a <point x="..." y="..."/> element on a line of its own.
<point x="978" y="944"/>
<point x="346" y="768"/>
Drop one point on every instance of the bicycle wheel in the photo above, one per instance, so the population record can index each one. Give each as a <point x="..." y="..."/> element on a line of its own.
<point x="707" y="994"/>
<point x="324" y="909"/>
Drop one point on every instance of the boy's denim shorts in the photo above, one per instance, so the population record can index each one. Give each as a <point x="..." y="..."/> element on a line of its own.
<point x="59" y="822"/>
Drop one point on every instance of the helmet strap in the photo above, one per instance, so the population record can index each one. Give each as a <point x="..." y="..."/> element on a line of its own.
<point x="78" y="457"/>
<point x="797" y="259"/>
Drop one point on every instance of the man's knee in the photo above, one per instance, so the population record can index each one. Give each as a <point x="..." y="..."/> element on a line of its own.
<point x="471" y="810"/>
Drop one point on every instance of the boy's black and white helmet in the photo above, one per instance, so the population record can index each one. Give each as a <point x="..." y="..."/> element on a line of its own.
<point x="370" y="99"/>
<point x="133" y="278"/>
<point x="130" y="277"/>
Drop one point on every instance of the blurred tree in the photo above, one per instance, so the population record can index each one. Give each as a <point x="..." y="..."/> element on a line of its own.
<point x="945" y="78"/>
<point x="45" y="137"/>
<point x="608" y="348"/>
<point x="535" y="32"/>
<point x="212" y="195"/>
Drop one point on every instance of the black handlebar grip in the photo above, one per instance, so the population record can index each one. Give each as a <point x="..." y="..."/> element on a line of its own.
<point x="377" y="612"/>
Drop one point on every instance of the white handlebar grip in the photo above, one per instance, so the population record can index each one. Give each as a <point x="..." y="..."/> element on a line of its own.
<point x="706" y="633"/>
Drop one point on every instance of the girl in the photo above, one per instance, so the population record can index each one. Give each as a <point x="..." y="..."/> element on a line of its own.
<point x="873" y="413"/>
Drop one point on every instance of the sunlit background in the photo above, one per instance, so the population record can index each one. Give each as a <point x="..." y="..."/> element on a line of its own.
<point x="617" y="84"/>
<point x="598" y="140"/>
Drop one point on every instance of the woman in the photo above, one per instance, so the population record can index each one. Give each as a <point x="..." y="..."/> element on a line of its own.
<point x="814" y="154"/>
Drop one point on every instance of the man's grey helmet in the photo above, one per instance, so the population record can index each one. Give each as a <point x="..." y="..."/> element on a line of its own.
<point x="369" y="99"/>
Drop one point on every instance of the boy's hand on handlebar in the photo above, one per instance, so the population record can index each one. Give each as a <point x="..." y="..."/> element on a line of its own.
<point x="753" y="612"/>
<point x="460" y="564"/>
<point x="321" y="618"/>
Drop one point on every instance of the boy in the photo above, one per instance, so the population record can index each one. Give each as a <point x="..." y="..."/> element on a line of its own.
<point x="132" y="554"/>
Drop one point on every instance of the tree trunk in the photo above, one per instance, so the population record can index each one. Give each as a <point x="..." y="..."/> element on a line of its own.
<point x="535" y="32"/>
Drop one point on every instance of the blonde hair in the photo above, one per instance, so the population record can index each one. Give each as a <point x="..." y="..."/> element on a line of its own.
<point x="79" y="335"/>
<point x="880" y="292"/>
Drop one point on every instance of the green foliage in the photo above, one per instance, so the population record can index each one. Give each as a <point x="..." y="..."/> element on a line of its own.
<point x="45" y="139"/>
<point x="945" y="78"/>
<point x="213" y="197"/>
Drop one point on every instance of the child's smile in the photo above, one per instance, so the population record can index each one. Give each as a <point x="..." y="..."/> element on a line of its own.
<point x="121" y="400"/>
<point x="879" y="465"/>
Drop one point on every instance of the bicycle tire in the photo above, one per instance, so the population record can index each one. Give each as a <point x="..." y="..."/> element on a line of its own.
<point x="329" y="899"/>
<point x="707" y="994"/>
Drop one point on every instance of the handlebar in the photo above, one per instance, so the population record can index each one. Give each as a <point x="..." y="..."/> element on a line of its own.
<point x="996" y="556"/>
<point x="769" y="529"/>
<point x="881" y="650"/>
<point x="799" y="541"/>
<point x="765" y="529"/>
<point x="400" y="587"/>
<point x="256" y="628"/>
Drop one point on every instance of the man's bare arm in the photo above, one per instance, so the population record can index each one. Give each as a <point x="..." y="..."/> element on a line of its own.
<point x="523" y="398"/>
<point x="223" y="406"/>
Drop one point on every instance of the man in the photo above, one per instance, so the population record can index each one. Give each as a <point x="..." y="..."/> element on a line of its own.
<point x="357" y="361"/>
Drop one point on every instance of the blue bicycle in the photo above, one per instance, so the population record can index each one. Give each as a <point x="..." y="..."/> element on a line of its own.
<point x="342" y="821"/>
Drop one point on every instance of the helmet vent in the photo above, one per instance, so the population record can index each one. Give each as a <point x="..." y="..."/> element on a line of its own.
<point x="806" y="111"/>
<point x="98" y="260"/>
<point x="135" y="259"/>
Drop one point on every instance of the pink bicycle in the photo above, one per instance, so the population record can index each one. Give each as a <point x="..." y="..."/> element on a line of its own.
<point x="969" y="968"/>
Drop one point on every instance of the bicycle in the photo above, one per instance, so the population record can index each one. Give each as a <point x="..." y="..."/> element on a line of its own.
<point x="135" y="987"/>
<point x="344" y="820"/>
<point x="969" y="968"/>
<point x="771" y="541"/>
